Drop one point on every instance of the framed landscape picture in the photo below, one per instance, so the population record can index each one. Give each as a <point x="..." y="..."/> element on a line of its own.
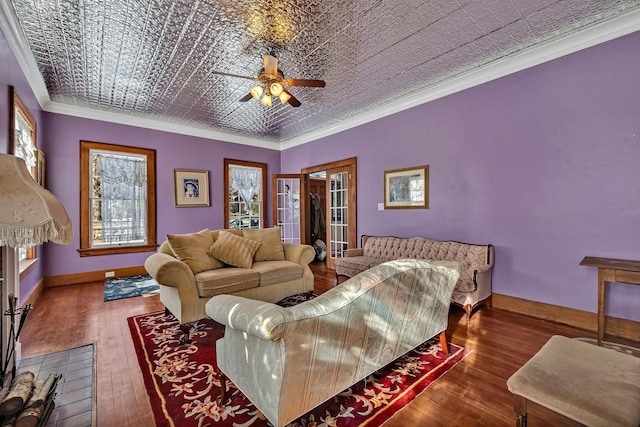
<point x="407" y="188"/>
<point x="191" y="187"/>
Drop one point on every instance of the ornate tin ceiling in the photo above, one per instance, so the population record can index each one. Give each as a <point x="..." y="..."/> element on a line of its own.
<point x="156" y="58"/>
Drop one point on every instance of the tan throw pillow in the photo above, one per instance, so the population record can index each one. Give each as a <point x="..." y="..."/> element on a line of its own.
<point x="166" y="249"/>
<point x="234" y="250"/>
<point x="192" y="250"/>
<point x="271" y="248"/>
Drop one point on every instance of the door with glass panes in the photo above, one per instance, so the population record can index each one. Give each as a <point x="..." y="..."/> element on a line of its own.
<point x="289" y="206"/>
<point x="291" y="201"/>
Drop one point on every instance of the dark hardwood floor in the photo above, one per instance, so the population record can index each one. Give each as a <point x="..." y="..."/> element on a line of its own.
<point x="473" y="393"/>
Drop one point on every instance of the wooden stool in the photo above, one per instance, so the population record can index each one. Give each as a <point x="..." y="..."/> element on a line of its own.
<point x="592" y="385"/>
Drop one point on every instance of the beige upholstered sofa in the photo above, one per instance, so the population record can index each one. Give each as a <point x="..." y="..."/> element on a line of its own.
<point x="289" y="360"/>
<point x="474" y="285"/>
<point x="254" y="263"/>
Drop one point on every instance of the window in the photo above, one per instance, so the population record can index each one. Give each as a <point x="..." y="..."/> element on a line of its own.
<point x="117" y="200"/>
<point x="23" y="128"/>
<point x="245" y="201"/>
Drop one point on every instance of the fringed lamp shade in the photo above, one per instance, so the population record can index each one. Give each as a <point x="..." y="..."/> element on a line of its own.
<point x="29" y="214"/>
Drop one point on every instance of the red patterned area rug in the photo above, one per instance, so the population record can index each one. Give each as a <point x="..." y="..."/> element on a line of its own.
<point x="183" y="385"/>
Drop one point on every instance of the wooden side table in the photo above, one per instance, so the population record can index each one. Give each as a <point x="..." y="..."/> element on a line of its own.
<point x="611" y="270"/>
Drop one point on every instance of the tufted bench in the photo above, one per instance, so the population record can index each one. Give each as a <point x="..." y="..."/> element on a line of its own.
<point x="474" y="285"/>
<point x="592" y="385"/>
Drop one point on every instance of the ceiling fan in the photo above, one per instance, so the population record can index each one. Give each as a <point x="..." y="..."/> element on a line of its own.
<point x="272" y="83"/>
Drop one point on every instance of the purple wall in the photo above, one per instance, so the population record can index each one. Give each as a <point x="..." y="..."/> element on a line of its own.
<point x="543" y="164"/>
<point x="172" y="151"/>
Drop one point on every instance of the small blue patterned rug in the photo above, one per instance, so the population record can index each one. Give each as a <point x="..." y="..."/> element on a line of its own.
<point x="127" y="287"/>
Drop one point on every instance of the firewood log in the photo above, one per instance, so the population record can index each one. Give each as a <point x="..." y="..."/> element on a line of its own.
<point x="41" y="395"/>
<point x="19" y="393"/>
<point x="30" y="417"/>
<point x="9" y="421"/>
<point x="32" y="413"/>
<point x="37" y="386"/>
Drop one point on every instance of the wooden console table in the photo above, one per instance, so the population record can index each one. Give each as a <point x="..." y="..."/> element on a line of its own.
<point x="611" y="270"/>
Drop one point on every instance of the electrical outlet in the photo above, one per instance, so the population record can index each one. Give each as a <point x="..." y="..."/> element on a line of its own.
<point x="109" y="274"/>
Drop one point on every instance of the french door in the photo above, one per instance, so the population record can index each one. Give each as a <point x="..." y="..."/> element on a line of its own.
<point x="291" y="207"/>
<point x="340" y="221"/>
<point x="290" y="194"/>
<point x="340" y="207"/>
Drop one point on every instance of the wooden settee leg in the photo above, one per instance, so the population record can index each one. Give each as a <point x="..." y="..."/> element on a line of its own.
<point x="186" y="333"/>
<point x="520" y="407"/>
<point x="443" y="343"/>
<point x="468" y="309"/>
<point x="222" y="399"/>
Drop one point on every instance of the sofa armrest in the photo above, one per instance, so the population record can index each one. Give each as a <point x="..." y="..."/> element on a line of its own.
<point x="482" y="279"/>
<point x="169" y="271"/>
<point x="482" y="269"/>
<point x="300" y="254"/>
<point x="257" y="318"/>
<point x="353" y="252"/>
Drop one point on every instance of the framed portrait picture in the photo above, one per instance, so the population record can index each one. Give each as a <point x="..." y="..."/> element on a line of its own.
<point x="191" y="187"/>
<point x="407" y="188"/>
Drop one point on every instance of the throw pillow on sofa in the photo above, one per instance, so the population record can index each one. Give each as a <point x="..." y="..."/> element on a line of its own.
<point x="271" y="248"/>
<point x="192" y="249"/>
<point x="234" y="250"/>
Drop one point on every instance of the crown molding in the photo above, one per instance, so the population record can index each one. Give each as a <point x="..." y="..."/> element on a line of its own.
<point x="156" y="124"/>
<point x="593" y="35"/>
<point x="20" y="48"/>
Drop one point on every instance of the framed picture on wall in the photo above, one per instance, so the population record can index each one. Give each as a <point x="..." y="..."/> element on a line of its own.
<point x="407" y="188"/>
<point x="191" y="187"/>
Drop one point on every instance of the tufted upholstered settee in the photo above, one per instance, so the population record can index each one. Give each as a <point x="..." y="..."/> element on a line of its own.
<point x="289" y="360"/>
<point x="474" y="285"/>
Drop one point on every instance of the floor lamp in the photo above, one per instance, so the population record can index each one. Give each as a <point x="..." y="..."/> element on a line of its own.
<point x="29" y="216"/>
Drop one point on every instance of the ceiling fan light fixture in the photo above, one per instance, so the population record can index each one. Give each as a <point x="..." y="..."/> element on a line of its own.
<point x="276" y="89"/>
<point x="256" y="91"/>
<point x="284" y="97"/>
<point x="266" y="100"/>
<point x="271" y="82"/>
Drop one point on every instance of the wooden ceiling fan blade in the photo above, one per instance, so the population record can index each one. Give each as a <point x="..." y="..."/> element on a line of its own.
<point x="271" y="66"/>
<point x="304" y="82"/>
<point x="246" y="97"/>
<point x="293" y="101"/>
<point x="235" y="75"/>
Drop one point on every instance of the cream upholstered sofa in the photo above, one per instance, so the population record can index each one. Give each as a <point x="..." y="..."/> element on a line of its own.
<point x="289" y="360"/>
<point x="474" y="285"/>
<point x="254" y="263"/>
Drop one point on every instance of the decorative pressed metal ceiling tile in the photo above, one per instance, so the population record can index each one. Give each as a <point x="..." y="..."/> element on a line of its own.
<point x="158" y="58"/>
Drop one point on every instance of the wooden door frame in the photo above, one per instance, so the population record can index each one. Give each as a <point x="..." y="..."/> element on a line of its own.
<point x="351" y="165"/>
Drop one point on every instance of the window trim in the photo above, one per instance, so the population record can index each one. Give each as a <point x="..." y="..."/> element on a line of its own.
<point x="227" y="184"/>
<point x="17" y="105"/>
<point x="85" y="203"/>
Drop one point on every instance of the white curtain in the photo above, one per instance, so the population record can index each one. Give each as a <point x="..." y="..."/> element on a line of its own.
<point x="120" y="185"/>
<point x="24" y="146"/>
<point x="246" y="181"/>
